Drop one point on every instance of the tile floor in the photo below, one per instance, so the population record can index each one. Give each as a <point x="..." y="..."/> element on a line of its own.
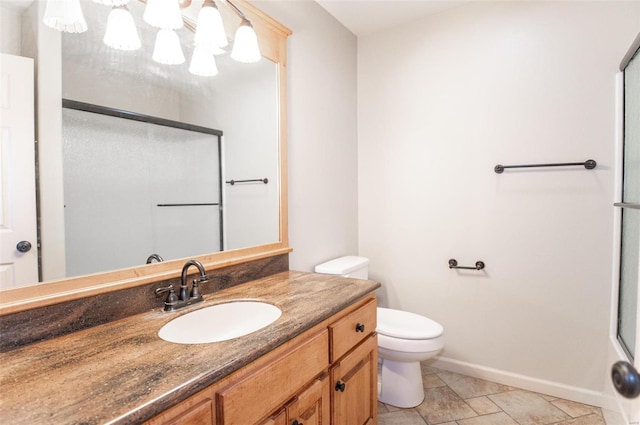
<point x="454" y="399"/>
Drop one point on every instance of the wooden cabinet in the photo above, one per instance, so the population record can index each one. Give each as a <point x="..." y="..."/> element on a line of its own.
<point x="196" y="410"/>
<point x="354" y="381"/>
<point x="326" y="376"/>
<point x="313" y="405"/>
<point x="279" y="418"/>
<point x="354" y="327"/>
<point x="251" y="398"/>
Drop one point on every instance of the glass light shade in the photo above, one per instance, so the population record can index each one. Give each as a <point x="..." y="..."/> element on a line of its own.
<point x="210" y="32"/>
<point x="167" y="49"/>
<point x="245" y="45"/>
<point x="64" y="15"/>
<point x="163" y="14"/>
<point x="121" y="33"/>
<point x="112" y="2"/>
<point x="203" y="63"/>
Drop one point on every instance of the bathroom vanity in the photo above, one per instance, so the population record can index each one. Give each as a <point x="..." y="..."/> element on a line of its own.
<point x="316" y="364"/>
<point x="335" y="360"/>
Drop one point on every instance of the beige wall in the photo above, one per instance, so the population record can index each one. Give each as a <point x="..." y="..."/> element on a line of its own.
<point x="472" y="87"/>
<point x="322" y="133"/>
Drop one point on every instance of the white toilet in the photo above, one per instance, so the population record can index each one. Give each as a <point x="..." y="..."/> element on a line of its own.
<point x="404" y="340"/>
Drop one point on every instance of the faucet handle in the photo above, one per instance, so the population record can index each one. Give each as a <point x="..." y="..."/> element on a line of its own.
<point x="172" y="298"/>
<point x="163" y="289"/>
<point x="195" y="289"/>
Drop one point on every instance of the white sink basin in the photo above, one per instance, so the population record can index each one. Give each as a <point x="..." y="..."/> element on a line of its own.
<point x="220" y="322"/>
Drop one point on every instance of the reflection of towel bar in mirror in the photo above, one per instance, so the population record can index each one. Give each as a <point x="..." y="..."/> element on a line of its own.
<point x="589" y="164"/>
<point x="453" y="264"/>
<point x="185" y="205"/>
<point x="232" y="182"/>
<point x="627" y="205"/>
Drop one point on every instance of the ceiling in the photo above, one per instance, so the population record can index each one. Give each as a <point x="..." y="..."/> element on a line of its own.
<point x="364" y="17"/>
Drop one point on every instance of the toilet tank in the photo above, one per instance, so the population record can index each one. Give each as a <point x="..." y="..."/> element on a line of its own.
<point x="349" y="266"/>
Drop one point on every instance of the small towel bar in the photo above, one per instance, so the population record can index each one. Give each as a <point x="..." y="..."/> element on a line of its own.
<point x="453" y="264"/>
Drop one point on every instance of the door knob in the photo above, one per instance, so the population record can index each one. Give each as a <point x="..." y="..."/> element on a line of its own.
<point x="23" y="246"/>
<point x="626" y="379"/>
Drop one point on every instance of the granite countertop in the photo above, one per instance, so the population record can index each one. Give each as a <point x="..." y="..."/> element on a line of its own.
<point x="122" y="372"/>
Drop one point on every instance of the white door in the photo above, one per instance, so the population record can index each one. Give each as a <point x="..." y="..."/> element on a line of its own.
<point x="18" y="243"/>
<point x="627" y="324"/>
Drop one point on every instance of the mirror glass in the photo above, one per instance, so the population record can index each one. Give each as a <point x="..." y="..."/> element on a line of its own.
<point x="98" y="159"/>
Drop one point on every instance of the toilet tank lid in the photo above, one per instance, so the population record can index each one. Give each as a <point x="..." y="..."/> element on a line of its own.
<point x="342" y="265"/>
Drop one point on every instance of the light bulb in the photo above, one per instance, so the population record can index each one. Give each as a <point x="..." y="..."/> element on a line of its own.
<point x="112" y="2"/>
<point x="163" y="14"/>
<point x="245" y="44"/>
<point x="167" y="49"/>
<point x="64" y="15"/>
<point x="203" y="63"/>
<point x="210" y="32"/>
<point x="121" y="31"/>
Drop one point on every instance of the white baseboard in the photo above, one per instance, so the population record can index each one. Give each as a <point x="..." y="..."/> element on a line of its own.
<point x="528" y="383"/>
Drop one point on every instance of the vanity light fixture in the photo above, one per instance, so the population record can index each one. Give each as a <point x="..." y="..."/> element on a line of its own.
<point x="245" y="46"/>
<point x="163" y="14"/>
<point x="210" y="32"/>
<point x="203" y="62"/>
<point x="167" y="49"/>
<point x="65" y="16"/>
<point x="112" y="2"/>
<point x="209" y="39"/>
<point x="121" y="31"/>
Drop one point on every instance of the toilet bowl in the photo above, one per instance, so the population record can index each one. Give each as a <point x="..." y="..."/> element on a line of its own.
<point x="404" y="340"/>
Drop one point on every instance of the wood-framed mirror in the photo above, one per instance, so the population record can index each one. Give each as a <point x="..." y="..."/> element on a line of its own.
<point x="57" y="287"/>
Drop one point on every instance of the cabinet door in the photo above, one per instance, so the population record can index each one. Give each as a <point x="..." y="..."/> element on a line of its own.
<point x="278" y="419"/>
<point x="354" y="385"/>
<point x="196" y="410"/>
<point x="247" y="400"/>
<point x="312" y="405"/>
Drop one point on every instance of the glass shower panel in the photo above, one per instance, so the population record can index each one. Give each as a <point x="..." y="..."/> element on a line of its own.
<point x="132" y="189"/>
<point x="628" y="307"/>
<point x="630" y="245"/>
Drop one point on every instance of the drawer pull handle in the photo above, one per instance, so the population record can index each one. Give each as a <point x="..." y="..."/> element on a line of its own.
<point x="295" y="422"/>
<point x="340" y="386"/>
<point x="359" y="327"/>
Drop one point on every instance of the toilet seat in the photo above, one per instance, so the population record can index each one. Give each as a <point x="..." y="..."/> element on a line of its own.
<point x="400" y="345"/>
<point x="406" y="325"/>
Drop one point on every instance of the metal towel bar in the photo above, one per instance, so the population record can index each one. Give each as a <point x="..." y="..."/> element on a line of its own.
<point x="232" y="182"/>
<point x="453" y="264"/>
<point x="589" y="164"/>
<point x="187" y="205"/>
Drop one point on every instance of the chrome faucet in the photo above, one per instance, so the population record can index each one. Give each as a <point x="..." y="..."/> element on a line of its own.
<point x="184" y="298"/>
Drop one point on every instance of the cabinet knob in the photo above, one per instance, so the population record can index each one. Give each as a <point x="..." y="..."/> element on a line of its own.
<point x="359" y="327"/>
<point x="340" y="386"/>
<point x="295" y="422"/>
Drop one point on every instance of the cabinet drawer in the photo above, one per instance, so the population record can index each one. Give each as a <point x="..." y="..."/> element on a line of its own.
<point x="255" y="396"/>
<point x="347" y="332"/>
